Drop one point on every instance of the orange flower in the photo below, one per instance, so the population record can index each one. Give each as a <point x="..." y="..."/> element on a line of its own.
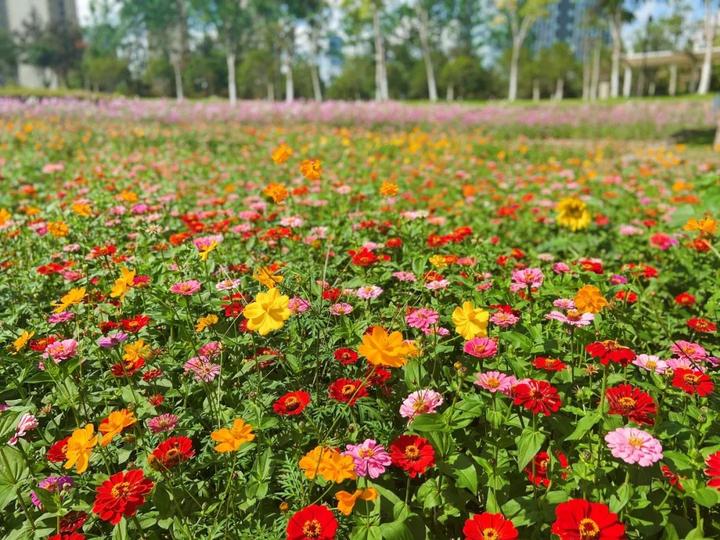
<point x="230" y="440"/>
<point x="383" y="349"/>
<point x="58" y="228"/>
<point x="706" y="225"/>
<point x="281" y="154"/>
<point x="277" y="192"/>
<point x="123" y="284"/>
<point x="389" y="189"/>
<point x="589" y="299"/>
<point x="74" y="296"/>
<point x="346" y="500"/>
<point x="328" y="463"/>
<point x="22" y="340"/>
<point x="204" y="322"/>
<point x="113" y="425"/>
<point x="136" y="350"/>
<point x="311" y="169"/>
<point x="79" y="448"/>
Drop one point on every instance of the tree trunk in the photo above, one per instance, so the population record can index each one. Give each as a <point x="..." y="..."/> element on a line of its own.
<point x="586" y="75"/>
<point x="381" y="82"/>
<point x="514" y="59"/>
<point x="706" y="71"/>
<point x="536" y="90"/>
<point x="425" y="46"/>
<point x="232" y="84"/>
<point x="672" y="86"/>
<point x="450" y="93"/>
<point x="289" y="82"/>
<point x="559" y="89"/>
<point x="616" y="30"/>
<point x="595" y="76"/>
<point x="177" y="71"/>
<point x="270" y="91"/>
<point x="315" y="75"/>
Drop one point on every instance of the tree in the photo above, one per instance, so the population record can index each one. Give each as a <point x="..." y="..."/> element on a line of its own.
<point x="463" y="78"/>
<point x="361" y="13"/>
<point x="8" y="57"/>
<point x="709" y="31"/>
<point x="102" y="68"/>
<point x="616" y="14"/>
<point x="520" y="15"/>
<point x="423" y="25"/>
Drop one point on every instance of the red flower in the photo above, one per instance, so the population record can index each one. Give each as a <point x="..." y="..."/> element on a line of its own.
<point x="171" y="452"/>
<point x="712" y="470"/>
<point x="56" y="453"/>
<point x="578" y="519"/>
<point x="489" y="526"/>
<point x="68" y="536"/>
<point x="692" y="381"/>
<point x="347" y="390"/>
<point x="610" y="351"/>
<point x="39" y="345"/>
<point x="628" y="297"/>
<point x="127" y="369"/>
<point x="292" y="403"/>
<point x="636" y="405"/>
<point x="685" y="299"/>
<point x="537" y="471"/>
<point x="702" y="325"/>
<point x="121" y="495"/>
<point x="346" y="356"/>
<point x="156" y="400"/>
<point x="672" y="478"/>
<point x="314" y="522"/>
<point x="413" y="454"/>
<point x="549" y="364"/>
<point x="72" y="521"/>
<point x="362" y="257"/>
<point x="331" y="294"/>
<point x="135" y="324"/>
<point x="539" y="397"/>
<point x="378" y="376"/>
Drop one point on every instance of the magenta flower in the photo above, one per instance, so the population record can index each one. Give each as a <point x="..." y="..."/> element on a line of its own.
<point x="111" y="340"/>
<point x="186" y="288"/>
<point x="370" y="458"/>
<point x="61" y="350"/>
<point x="494" y="381"/>
<point x="61" y="317"/>
<point x="202" y="368"/>
<point x="481" y="347"/>
<point x="211" y="349"/>
<point x="634" y="445"/>
<point x="298" y="305"/>
<point x="164" y="422"/>
<point x="528" y="278"/>
<point x="422" y="318"/>
<point x="420" y="402"/>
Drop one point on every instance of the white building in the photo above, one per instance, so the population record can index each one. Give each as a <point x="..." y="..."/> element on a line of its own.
<point x="12" y="15"/>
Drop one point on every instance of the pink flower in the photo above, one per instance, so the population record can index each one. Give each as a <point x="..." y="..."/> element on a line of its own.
<point x="369" y="292"/>
<point x="503" y="319"/>
<point x="298" y="305"/>
<point x="202" y="368"/>
<point x="164" y="422"/>
<point x="61" y="317"/>
<point x="481" y="347"/>
<point x="528" y="278"/>
<point x="420" y="402"/>
<point x="634" y="445"/>
<point x="404" y="276"/>
<point x="572" y="318"/>
<point x="651" y="363"/>
<point x="688" y="349"/>
<point x="663" y="241"/>
<point x="227" y="284"/>
<point x="422" y="318"/>
<point x="494" y="381"/>
<point x="560" y="268"/>
<point x="61" y="350"/>
<point x="186" y="288"/>
<point x="564" y="303"/>
<point x="207" y="242"/>
<point x="27" y="422"/>
<point x="211" y="349"/>
<point x="370" y="458"/>
<point x="437" y="284"/>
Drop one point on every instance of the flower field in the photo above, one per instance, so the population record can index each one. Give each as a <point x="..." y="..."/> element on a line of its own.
<point x="316" y="331"/>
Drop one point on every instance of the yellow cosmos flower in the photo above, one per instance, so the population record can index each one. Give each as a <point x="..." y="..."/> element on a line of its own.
<point x="281" y="154"/>
<point x="22" y="340"/>
<point x="347" y="500"/>
<point x="383" y="349"/>
<point x="204" y="322"/>
<point x="123" y="284"/>
<point x="706" y="225"/>
<point x="5" y="216"/>
<point x="136" y="350"/>
<point x="328" y="463"/>
<point x="74" y="296"/>
<point x="267" y="276"/>
<point x="230" y="440"/>
<point x="438" y="261"/>
<point x="311" y="169"/>
<point x="79" y="448"/>
<point x="205" y="251"/>
<point x="58" y="229"/>
<point x="470" y="321"/>
<point x="589" y="299"/>
<point x="82" y="209"/>
<point x="572" y="214"/>
<point x="277" y="192"/>
<point x="114" y="424"/>
<point x="268" y="312"/>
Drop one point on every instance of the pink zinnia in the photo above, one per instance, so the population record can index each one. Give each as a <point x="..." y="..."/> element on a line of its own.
<point x="634" y="445"/>
<point x="369" y="292"/>
<point x="211" y="349"/>
<point x="341" y="309"/>
<point x="202" y="368"/>
<point x="404" y="276"/>
<point x="481" y="347"/>
<point x="422" y="318"/>
<point x="186" y="288"/>
<point x="528" y="278"/>
<point x="61" y="350"/>
<point x="27" y="422"/>
<point x="370" y="458"/>
<point x="572" y="318"/>
<point x="298" y="305"/>
<point x="503" y="319"/>
<point x="651" y="363"/>
<point x="420" y="402"/>
<point x="164" y="422"/>
<point x="688" y="349"/>
<point x="494" y="381"/>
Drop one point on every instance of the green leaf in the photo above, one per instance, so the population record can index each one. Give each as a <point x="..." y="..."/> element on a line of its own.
<point x="259" y="483"/>
<point x="465" y="473"/>
<point x="429" y="422"/>
<point x="529" y="443"/>
<point x="396" y="530"/>
<point x="12" y="466"/>
<point x="585" y="424"/>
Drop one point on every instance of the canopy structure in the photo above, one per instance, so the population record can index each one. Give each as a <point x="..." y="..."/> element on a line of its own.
<point x="671" y="59"/>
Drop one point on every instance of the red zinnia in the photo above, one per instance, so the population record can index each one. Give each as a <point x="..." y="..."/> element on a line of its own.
<point x="610" y="351"/>
<point x="314" y="522"/>
<point x="672" y="477"/>
<point x="292" y="403"/>
<point x="346" y="356"/>
<point x="692" y="381"/>
<point x="347" y="390"/>
<point x="171" y="452"/>
<point x="636" y="405"/>
<point x="549" y="364"/>
<point x="712" y="470"/>
<point x="578" y="519"/>
<point x="72" y="521"/>
<point x="702" y="325"/>
<point x="487" y="526"/>
<point x="56" y="453"/>
<point x="413" y="454"/>
<point x="685" y="299"/>
<point x="362" y="257"/>
<point x="67" y="536"/>
<point x="539" y="397"/>
<point x="378" y="376"/>
<point x="135" y="324"/>
<point x="537" y="471"/>
<point x="121" y="495"/>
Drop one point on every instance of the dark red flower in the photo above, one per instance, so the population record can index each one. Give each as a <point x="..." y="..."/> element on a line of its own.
<point x="610" y="351"/>
<point x="346" y="356"/>
<point x="578" y="519"/>
<point x="539" y="397"/>
<point x="537" y="470"/>
<point x="121" y="495"/>
<point x="156" y="400"/>
<point x="549" y="364"/>
<point x="67" y="536"/>
<point x="347" y="390"/>
<point x="171" y="452"/>
<point x="693" y="382"/>
<point x="378" y="376"/>
<point x="152" y="374"/>
<point x="314" y="522"/>
<point x="701" y="325"/>
<point x="672" y="478"/>
<point x="331" y="294"/>
<point x="632" y="403"/>
<point x="73" y="521"/>
<point x="712" y="470"/>
<point x="413" y="454"/>
<point x="489" y="526"/>
<point x="56" y="453"/>
<point x="292" y="403"/>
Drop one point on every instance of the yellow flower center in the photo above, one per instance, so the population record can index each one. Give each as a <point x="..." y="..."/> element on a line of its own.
<point x="412" y="452"/>
<point x="312" y="528"/>
<point x="120" y="490"/>
<point x="490" y="533"/>
<point x="588" y="529"/>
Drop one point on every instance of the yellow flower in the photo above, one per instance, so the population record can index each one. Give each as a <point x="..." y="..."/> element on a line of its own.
<point x="127" y="196"/>
<point x="21" y="341"/>
<point x="311" y="169"/>
<point x="82" y="209"/>
<point x="706" y="225"/>
<point x="277" y="192"/>
<point x="281" y="154"/>
<point x="136" y="350"/>
<point x="268" y="312"/>
<point x="438" y="261"/>
<point x="204" y="322"/>
<point x="205" y="251"/>
<point x="74" y="296"/>
<point x="328" y="463"/>
<point x="230" y="440"/>
<point x="79" y="448"/>
<point x="572" y="214"/>
<point x="123" y="283"/>
<point x="267" y="276"/>
<point x="389" y="189"/>
<point x="589" y="299"/>
<point x="346" y="500"/>
<point x="114" y="424"/>
<point x="58" y="228"/>
<point x="383" y="349"/>
<point x="5" y="216"/>
<point x="470" y="321"/>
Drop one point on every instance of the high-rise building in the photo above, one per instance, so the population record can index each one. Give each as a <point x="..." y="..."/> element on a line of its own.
<point x="14" y="13"/>
<point x="565" y="22"/>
